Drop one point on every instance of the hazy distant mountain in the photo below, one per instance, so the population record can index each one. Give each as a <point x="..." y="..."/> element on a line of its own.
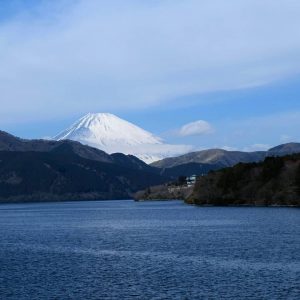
<point x="220" y="157"/>
<point x="284" y="149"/>
<point x="112" y="134"/>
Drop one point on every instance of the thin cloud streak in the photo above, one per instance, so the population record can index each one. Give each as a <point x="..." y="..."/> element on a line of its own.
<point x="102" y="55"/>
<point x="196" y="128"/>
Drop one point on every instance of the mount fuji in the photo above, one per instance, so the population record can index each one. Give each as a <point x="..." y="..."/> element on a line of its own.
<point x="112" y="134"/>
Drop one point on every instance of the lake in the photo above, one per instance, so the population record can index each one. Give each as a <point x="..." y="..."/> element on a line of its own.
<point x="148" y="250"/>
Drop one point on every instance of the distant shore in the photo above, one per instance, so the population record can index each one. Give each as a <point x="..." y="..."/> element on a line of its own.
<point x="215" y="205"/>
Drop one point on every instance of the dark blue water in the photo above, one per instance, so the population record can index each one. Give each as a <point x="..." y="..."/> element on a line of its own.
<point x="154" y="250"/>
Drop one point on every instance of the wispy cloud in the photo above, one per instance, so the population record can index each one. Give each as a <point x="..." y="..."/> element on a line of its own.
<point x="199" y="127"/>
<point x="89" y="55"/>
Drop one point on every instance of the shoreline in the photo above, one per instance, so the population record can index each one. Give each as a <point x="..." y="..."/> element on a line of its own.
<point x="211" y="205"/>
<point x="149" y="200"/>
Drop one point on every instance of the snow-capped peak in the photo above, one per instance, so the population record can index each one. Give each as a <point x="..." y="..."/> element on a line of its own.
<point x="112" y="134"/>
<point x="106" y="129"/>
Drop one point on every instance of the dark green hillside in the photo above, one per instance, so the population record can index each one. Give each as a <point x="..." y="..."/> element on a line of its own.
<point x="61" y="174"/>
<point x="275" y="181"/>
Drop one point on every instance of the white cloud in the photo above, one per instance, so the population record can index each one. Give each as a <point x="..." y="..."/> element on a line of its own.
<point x="101" y="55"/>
<point x="199" y="127"/>
<point x="250" y="133"/>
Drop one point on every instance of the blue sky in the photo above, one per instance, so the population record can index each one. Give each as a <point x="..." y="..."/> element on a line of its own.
<point x="233" y="65"/>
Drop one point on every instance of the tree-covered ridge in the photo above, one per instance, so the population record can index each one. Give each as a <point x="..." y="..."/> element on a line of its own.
<point x="61" y="174"/>
<point x="275" y="181"/>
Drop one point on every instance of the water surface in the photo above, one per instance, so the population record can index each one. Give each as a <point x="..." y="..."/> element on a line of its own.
<point x="148" y="250"/>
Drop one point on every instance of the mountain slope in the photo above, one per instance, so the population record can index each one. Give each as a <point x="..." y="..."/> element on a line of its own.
<point x="225" y="158"/>
<point x="112" y="134"/>
<point x="212" y="156"/>
<point x="284" y="149"/>
<point x="9" y="142"/>
<point x="275" y="181"/>
<point x="104" y="130"/>
<point x="61" y="174"/>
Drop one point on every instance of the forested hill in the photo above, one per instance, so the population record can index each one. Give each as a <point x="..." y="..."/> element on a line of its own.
<point x="275" y="181"/>
<point x="61" y="174"/>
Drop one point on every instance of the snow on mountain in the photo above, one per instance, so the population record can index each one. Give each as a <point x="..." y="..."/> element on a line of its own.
<point x="112" y="134"/>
